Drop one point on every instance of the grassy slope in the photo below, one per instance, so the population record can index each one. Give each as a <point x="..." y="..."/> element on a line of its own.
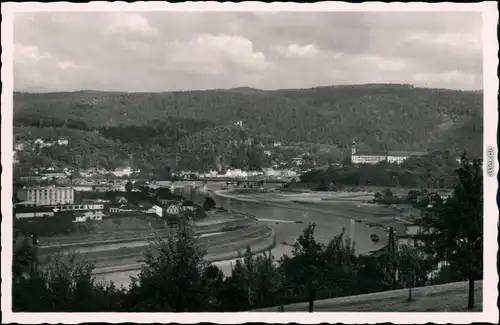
<point x="451" y="297"/>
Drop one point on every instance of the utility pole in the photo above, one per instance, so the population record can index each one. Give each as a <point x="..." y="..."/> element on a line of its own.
<point x="392" y="250"/>
<point x="34" y="251"/>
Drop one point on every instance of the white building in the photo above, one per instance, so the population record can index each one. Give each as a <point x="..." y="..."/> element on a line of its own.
<point x="20" y="146"/>
<point x="41" y="143"/>
<point x="158" y="210"/>
<point x="255" y="173"/>
<point x="188" y="208"/>
<point x="89" y="215"/>
<point x="79" y="207"/>
<point x="270" y="172"/>
<point x="173" y="209"/>
<point x="62" y="142"/>
<point x="236" y="173"/>
<point x="407" y="234"/>
<point x="288" y="173"/>
<point x="53" y="175"/>
<point x="397" y="157"/>
<point x="50" y="195"/>
<point x="298" y="161"/>
<point x="120" y="172"/>
<point x="26" y="209"/>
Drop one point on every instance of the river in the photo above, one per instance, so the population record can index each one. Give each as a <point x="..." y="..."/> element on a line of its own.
<point x="282" y="216"/>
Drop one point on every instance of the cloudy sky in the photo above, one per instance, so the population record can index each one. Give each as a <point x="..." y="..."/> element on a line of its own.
<point x="159" y="51"/>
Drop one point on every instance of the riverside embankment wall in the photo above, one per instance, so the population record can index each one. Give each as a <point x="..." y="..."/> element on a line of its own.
<point x="55" y="244"/>
<point x="260" y="244"/>
<point x="223" y="240"/>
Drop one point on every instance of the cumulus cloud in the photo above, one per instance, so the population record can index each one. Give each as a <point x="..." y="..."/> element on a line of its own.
<point x="459" y="41"/>
<point x="209" y="54"/>
<point x="454" y="77"/>
<point x="298" y="51"/>
<point x="134" y="24"/>
<point x="32" y="56"/>
<point x="384" y="63"/>
<point x="28" y="54"/>
<point x="159" y="51"/>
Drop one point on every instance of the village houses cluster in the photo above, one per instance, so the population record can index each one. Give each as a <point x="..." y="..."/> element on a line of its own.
<point x="49" y="201"/>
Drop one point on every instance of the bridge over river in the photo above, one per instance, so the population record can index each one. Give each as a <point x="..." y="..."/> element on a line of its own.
<point x="254" y="180"/>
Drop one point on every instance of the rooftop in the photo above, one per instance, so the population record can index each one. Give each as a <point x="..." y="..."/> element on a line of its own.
<point x="406" y="153"/>
<point x="390" y="153"/>
<point x="44" y="187"/>
<point x="370" y="153"/>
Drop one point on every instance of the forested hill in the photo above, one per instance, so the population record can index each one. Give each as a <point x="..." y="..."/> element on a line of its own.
<point x="397" y="117"/>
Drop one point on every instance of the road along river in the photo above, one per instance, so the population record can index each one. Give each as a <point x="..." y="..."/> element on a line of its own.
<point x="288" y="215"/>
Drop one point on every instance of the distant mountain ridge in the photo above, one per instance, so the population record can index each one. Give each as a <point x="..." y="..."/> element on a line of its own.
<point x="379" y="116"/>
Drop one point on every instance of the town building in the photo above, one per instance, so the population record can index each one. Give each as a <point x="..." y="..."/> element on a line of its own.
<point x="234" y="173"/>
<point x="121" y="172"/>
<point x="188" y="207"/>
<point x="127" y="208"/>
<point x="173" y="209"/>
<point x="20" y="146"/>
<point x="270" y="172"/>
<point x="155" y="209"/>
<point x="407" y="234"/>
<point x="288" y="173"/>
<point x="50" y="195"/>
<point x="375" y="157"/>
<point x="53" y="175"/>
<point x="24" y="210"/>
<point x="31" y="178"/>
<point x="165" y="201"/>
<point x="62" y="142"/>
<point x="298" y="161"/>
<point x="89" y="215"/>
<point x="112" y="208"/>
<point x="41" y="143"/>
<point x="78" y="207"/>
<point x="15" y="155"/>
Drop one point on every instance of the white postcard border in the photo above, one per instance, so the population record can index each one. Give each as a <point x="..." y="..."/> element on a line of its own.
<point x="490" y="62"/>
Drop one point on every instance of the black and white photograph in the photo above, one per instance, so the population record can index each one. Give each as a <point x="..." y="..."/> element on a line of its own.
<point x="272" y="159"/>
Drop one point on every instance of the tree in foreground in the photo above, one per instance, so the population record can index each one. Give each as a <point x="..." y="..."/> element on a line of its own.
<point x="172" y="279"/>
<point x="454" y="228"/>
<point x="340" y="267"/>
<point x="304" y="269"/>
<point x="413" y="267"/>
<point x="64" y="283"/>
<point x="255" y="282"/>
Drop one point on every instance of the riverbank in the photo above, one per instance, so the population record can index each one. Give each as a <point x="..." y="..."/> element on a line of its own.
<point x="287" y="219"/>
<point x="290" y="213"/>
<point x="224" y="234"/>
<point x="258" y="244"/>
<point x="347" y="205"/>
